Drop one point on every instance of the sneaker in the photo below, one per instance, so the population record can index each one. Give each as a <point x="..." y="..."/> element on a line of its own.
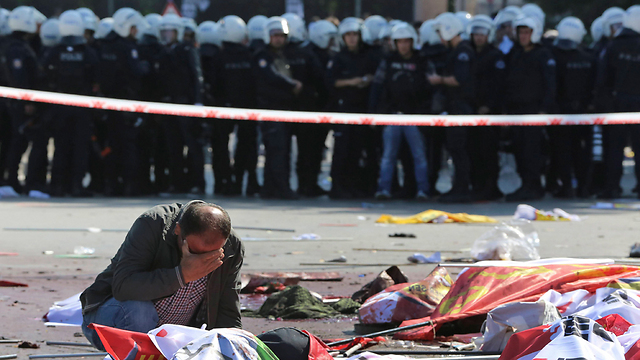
<point x="36" y="194"/>
<point x="526" y="193"/>
<point x="456" y="196"/>
<point x="8" y="191"/>
<point x="383" y="195"/>
<point x="421" y="196"/>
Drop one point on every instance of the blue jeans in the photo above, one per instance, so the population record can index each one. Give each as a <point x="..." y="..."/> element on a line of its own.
<point x="139" y="316"/>
<point x="392" y="138"/>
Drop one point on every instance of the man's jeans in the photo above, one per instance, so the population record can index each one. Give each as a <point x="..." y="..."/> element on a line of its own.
<point x="139" y="316"/>
<point x="392" y="138"/>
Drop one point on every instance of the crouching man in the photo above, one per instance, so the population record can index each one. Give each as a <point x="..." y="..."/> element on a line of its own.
<point x="179" y="264"/>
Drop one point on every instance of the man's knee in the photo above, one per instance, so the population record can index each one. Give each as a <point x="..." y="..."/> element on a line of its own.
<point x="140" y="316"/>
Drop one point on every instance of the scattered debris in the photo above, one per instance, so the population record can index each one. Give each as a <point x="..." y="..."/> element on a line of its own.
<point x="5" y="283"/>
<point x="28" y="345"/>
<point x="297" y="302"/>
<point x="411" y="250"/>
<point x="507" y="241"/>
<point x="338" y="225"/>
<point x="402" y="235"/>
<point x="341" y="259"/>
<point x="307" y="237"/>
<point x="635" y="250"/>
<point x="418" y="258"/>
<point x="528" y="212"/>
<point x="8" y="357"/>
<point x="66" y="343"/>
<point x="8" y="254"/>
<point x="435" y="216"/>
<point x="389" y="277"/>
<point x="53" y="356"/>
<point x="262" y="229"/>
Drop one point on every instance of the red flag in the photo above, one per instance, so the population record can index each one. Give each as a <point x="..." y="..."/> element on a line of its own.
<point x="318" y="350"/>
<point x="119" y="343"/>
<point x="614" y="323"/>
<point x="479" y="290"/>
<point x="526" y="342"/>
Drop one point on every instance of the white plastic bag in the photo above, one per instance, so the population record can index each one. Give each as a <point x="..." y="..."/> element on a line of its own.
<point x="516" y="240"/>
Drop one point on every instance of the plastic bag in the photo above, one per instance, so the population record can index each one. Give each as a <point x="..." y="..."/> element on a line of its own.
<point x="516" y="240"/>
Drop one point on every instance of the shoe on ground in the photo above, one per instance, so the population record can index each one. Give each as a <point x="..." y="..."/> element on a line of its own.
<point x="383" y="195"/>
<point x="456" y="196"/>
<point x="565" y="192"/>
<point x="422" y="196"/>
<point x="526" y="193"/>
<point x="610" y="194"/>
<point x="7" y="192"/>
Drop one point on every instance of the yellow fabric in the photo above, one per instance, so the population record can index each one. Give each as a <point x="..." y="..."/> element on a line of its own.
<point x="430" y="215"/>
<point x="543" y="216"/>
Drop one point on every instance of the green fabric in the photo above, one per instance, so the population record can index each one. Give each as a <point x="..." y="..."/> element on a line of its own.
<point x="264" y="351"/>
<point x="346" y="306"/>
<point x="296" y="302"/>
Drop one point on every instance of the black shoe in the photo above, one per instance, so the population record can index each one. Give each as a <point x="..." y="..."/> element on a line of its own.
<point x="312" y="191"/>
<point x="526" y="193"/>
<point x="288" y="195"/>
<point x="81" y="192"/>
<point x="456" y="196"/>
<point x="488" y="194"/>
<point x="253" y="189"/>
<point x="609" y="194"/>
<point x="339" y="194"/>
<point x="565" y="192"/>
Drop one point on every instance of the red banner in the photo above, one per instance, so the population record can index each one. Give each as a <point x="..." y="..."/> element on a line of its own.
<point x="119" y="343"/>
<point x="479" y="290"/>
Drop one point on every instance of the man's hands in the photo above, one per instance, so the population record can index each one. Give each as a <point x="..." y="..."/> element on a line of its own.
<point x="196" y="266"/>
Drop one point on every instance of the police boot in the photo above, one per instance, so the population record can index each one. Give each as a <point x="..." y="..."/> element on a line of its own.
<point x="253" y="187"/>
<point x="459" y="193"/>
<point x="565" y="192"/>
<point x="526" y="192"/>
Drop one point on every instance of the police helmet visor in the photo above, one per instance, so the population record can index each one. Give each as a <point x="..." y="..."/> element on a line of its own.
<point x="274" y="32"/>
<point x="479" y="30"/>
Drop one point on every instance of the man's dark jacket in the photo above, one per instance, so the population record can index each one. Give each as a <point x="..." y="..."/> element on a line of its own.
<point x="147" y="268"/>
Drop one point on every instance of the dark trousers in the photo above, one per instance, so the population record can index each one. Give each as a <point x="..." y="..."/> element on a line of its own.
<point x="180" y="132"/>
<point x="528" y="142"/>
<point x="277" y="143"/>
<point x="310" y="139"/>
<point x="25" y="130"/>
<point x="483" y="152"/>
<point x="456" y="143"/>
<point x="72" y="136"/>
<point x="571" y="152"/>
<point x="617" y="137"/>
<point x="246" y="155"/>
<point x="221" y="161"/>
<point x="5" y="137"/>
<point x="122" y="163"/>
<point x="435" y="141"/>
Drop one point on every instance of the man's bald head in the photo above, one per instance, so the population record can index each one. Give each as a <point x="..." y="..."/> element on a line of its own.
<point x="199" y="218"/>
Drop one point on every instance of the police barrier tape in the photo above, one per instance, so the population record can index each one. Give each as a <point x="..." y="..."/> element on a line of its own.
<point x="207" y="112"/>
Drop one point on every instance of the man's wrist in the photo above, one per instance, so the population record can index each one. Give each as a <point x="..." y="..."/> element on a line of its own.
<point x="180" y="276"/>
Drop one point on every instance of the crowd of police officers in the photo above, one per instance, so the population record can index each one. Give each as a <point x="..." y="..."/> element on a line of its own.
<point x="455" y="64"/>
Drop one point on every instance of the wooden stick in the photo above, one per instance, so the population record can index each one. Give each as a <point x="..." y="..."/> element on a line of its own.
<point x="293" y="240"/>
<point x="66" y="343"/>
<point x="9" y="341"/>
<point x="347" y="264"/>
<point x="52" y="356"/>
<point x="7" y="357"/>
<point x="409" y="250"/>
<point x="383" y="332"/>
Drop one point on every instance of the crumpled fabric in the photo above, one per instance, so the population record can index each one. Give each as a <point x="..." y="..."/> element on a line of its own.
<point x="435" y="216"/>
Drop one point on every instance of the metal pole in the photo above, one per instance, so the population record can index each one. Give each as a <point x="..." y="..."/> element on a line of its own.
<point x="358" y="8"/>
<point x="384" y="332"/>
<point x="7" y="357"/>
<point x="52" y="356"/>
<point x="66" y="343"/>
<point x="434" y="352"/>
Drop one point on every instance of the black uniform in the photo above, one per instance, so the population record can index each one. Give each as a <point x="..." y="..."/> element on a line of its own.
<point x="619" y="73"/>
<point x="71" y="68"/>
<point x="230" y="78"/>
<point x="307" y="68"/>
<point x="349" y="177"/>
<point x="182" y="83"/>
<point x="435" y="57"/>
<point x="153" y="145"/>
<point x="461" y="64"/>
<point x="530" y="89"/>
<point x="5" y="119"/>
<point x="22" y="70"/>
<point x="274" y="90"/>
<point x="484" y="140"/>
<point x="576" y="75"/>
<point x="119" y="75"/>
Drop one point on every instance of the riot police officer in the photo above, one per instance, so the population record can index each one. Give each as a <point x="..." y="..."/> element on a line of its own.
<point x="255" y="28"/>
<point x="459" y="81"/>
<point x="119" y="75"/>
<point x="530" y="89"/>
<point x="484" y="140"/>
<point x="276" y="89"/>
<point x="576" y="75"/>
<point x="23" y="71"/>
<point x="182" y="83"/>
<point x="71" y="68"/>
<point x="619" y="73"/>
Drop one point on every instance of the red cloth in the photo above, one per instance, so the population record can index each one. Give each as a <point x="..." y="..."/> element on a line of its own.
<point x="317" y="349"/>
<point x="480" y="290"/>
<point x="615" y="323"/>
<point x="366" y="342"/>
<point x="119" y="343"/>
<point x="526" y="342"/>
<point x="5" y="283"/>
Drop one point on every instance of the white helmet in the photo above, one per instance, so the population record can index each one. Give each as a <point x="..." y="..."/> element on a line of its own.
<point x="386" y="32"/>
<point x="531" y="23"/>
<point x="394" y="22"/>
<point x="465" y="17"/>
<point x="612" y="17"/>
<point x="597" y="29"/>
<point x="354" y="24"/>
<point x="38" y="16"/>
<point x="297" y="29"/>
<point x="124" y="20"/>
<point x="449" y="26"/>
<point x="275" y="24"/>
<point x="4" y="22"/>
<point x="404" y="31"/>
<point x="50" y="33"/>
<point x="482" y="24"/>
<point x="321" y="32"/>
<point x="428" y="34"/>
<point x="232" y="29"/>
<point x="71" y="24"/>
<point x="89" y="19"/>
<point x="105" y="26"/>
<point x="173" y="22"/>
<point x="571" y="28"/>
<point x="375" y="24"/>
<point x="255" y="26"/>
<point x="207" y="33"/>
<point x="188" y="24"/>
<point x="153" y="21"/>
<point x="534" y="11"/>
<point x="507" y="15"/>
<point x="23" y="19"/>
<point x="632" y="18"/>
